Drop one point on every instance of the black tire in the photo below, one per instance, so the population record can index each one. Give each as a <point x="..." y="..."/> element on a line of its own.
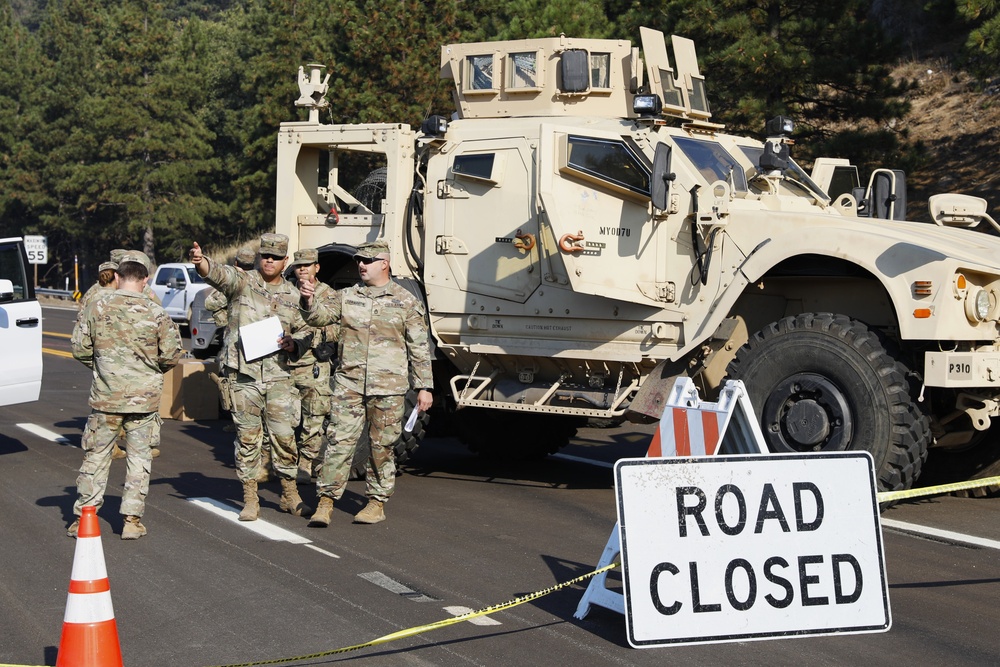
<point x="514" y="436"/>
<point x="824" y="382"/>
<point x="404" y="447"/>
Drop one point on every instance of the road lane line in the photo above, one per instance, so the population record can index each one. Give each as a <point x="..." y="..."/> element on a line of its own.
<point x="394" y="586"/>
<point x="58" y="353"/>
<point x="322" y="551"/>
<point x="580" y="459"/>
<point x="47" y="434"/>
<point x="940" y="534"/>
<point x="482" y="620"/>
<point x="260" y="526"/>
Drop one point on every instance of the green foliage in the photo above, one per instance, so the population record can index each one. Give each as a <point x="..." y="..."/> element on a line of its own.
<point x="983" y="43"/>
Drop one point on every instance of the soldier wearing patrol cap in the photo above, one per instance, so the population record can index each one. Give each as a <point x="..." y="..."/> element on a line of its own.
<point x="262" y="388"/>
<point x="129" y="342"/>
<point x="311" y="372"/>
<point x="383" y="353"/>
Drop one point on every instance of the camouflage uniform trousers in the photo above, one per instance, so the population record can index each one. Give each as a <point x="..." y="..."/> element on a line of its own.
<point x="315" y="394"/>
<point x="351" y="411"/>
<point x="142" y="433"/>
<point x="254" y="404"/>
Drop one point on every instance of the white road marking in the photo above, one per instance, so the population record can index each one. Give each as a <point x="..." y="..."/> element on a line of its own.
<point x="580" y="459"/>
<point x="479" y="620"/>
<point x="261" y="527"/>
<point x="940" y="534"/>
<point x="46" y="434"/>
<point x="394" y="586"/>
<point x="322" y="551"/>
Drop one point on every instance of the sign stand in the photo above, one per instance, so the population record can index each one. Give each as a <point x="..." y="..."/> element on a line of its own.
<point x="688" y="427"/>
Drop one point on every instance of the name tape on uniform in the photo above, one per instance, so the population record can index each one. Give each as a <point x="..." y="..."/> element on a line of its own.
<point x="739" y="548"/>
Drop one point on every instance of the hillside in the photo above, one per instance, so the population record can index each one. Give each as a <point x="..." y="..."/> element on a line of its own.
<point x="959" y="127"/>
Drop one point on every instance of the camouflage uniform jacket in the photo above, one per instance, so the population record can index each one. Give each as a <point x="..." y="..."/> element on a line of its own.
<point x="383" y="346"/>
<point x="252" y="300"/>
<point x="129" y="342"/>
<point x="96" y="291"/>
<point x="217" y="304"/>
<point x="317" y="335"/>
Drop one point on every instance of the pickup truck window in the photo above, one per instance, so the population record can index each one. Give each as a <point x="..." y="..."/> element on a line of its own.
<point x="12" y="269"/>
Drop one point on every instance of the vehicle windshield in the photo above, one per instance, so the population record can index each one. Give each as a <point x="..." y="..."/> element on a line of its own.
<point x="795" y="172"/>
<point x="713" y="162"/>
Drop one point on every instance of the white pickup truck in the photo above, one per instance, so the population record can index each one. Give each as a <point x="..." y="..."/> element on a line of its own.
<point x="20" y="327"/>
<point x="176" y="285"/>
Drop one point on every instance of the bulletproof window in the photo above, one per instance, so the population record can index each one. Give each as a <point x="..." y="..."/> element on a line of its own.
<point x="12" y="269"/>
<point x="794" y="171"/>
<point x="480" y="73"/>
<point x="523" y="71"/>
<point x="612" y="162"/>
<point x="479" y="166"/>
<point x="669" y="91"/>
<point x="600" y="70"/>
<point x="713" y="162"/>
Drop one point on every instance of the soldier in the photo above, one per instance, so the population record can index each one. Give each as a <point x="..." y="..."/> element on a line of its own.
<point x="107" y="281"/>
<point x="311" y="372"/>
<point x="383" y="352"/>
<point x="129" y="342"/>
<point x="262" y="388"/>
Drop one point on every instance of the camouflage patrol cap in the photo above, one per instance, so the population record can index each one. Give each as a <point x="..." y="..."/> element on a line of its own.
<point x="305" y="256"/>
<point x="137" y="256"/>
<point x="245" y="256"/>
<point x="372" y="250"/>
<point x="274" y="244"/>
<point x="117" y="254"/>
<point x="105" y="266"/>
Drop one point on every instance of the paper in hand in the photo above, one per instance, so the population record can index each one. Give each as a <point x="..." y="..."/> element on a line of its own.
<point x="260" y="338"/>
<point x="412" y="420"/>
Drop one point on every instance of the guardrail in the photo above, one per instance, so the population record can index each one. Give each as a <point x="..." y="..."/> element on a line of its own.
<point x="66" y="295"/>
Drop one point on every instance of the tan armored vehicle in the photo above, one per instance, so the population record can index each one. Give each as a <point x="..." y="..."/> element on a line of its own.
<point x="582" y="233"/>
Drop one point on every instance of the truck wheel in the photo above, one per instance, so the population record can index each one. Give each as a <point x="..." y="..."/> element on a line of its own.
<point x="514" y="436"/>
<point x="404" y="447"/>
<point x="821" y="382"/>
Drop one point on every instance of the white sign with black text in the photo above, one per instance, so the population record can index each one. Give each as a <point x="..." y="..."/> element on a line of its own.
<point x="763" y="546"/>
<point x="37" y="249"/>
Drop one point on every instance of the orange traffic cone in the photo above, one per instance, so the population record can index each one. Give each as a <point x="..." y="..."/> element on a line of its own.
<point x="89" y="634"/>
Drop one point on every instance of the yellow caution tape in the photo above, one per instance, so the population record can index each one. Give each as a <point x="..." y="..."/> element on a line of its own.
<point x="888" y="496"/>
<point x="409" y="632"/>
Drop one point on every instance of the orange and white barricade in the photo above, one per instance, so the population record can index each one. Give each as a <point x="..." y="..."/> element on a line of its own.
<point x="89" y="634"/>
<point x="688" y="427"/>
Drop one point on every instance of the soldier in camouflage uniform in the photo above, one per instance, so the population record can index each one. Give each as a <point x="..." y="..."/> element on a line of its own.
<point x="107" y="281"/>
<point x="311" y="372"/>
<point x="129" y="342"/>
<point x="383" y="352"/>
<point x="262" y="388"/>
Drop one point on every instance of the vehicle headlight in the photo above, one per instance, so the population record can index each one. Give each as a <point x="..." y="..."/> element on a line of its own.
<point x="977" y="305"/>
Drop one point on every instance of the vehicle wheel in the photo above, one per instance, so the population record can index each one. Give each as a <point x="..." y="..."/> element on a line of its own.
<point x="821" y="382"/>
<point x="514" y="436"/>
<point x="404" y="447"/>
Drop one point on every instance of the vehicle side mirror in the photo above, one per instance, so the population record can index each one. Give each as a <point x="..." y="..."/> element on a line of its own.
<point x="954" y="210"/>
<point x="175" y="283"/>
<point x="659" y="185"/>
<point x="6" y="290"/>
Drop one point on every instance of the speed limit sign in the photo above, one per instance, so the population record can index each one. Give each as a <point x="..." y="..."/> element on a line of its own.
<point x="37" y="248"/>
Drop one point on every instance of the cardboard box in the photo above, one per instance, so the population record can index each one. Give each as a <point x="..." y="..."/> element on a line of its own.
<point x="189" y="393"/>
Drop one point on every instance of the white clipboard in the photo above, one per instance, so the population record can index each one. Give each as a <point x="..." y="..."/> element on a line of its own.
<point x="261" y="338"/>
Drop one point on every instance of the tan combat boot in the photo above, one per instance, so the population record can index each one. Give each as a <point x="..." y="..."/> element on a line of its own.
<point x="133" y="530"/>
<point x="290" y="500"/>
<point x="73" y="529"/>
<point x="304" y="475"/>
<point x="321" y="517"/>
<point x="372" y="513"/>
<point x="251" y="504"/>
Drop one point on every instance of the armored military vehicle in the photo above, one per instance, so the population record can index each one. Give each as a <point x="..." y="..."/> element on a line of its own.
<point x="582" y="233"/>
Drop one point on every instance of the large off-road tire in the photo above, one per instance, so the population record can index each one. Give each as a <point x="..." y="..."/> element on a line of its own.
<point x="821" y="382"/>
<point x="514" y="436"/>
<point x="404" y="447"/>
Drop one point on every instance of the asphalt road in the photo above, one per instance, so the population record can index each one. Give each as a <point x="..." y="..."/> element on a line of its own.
<point x="462" y="534"/>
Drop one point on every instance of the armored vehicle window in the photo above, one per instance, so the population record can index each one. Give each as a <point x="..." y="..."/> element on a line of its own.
<point x="478" y="165"/>
<point x="713" y="162"/>
<point x="600" y="70"/>
<point x="479" y="71"/>
<point x="610" y="161"/>
<point x="797" y="173"/>
<point x="523" y="71"/>
<point x="699" y="100"/>
<point x="671" y="94"/>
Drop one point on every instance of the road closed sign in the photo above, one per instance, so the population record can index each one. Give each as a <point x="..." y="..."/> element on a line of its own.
<point x="738" y="548"/>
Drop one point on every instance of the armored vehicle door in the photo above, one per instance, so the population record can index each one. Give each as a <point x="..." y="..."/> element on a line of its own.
<point x="487" y="243"/>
